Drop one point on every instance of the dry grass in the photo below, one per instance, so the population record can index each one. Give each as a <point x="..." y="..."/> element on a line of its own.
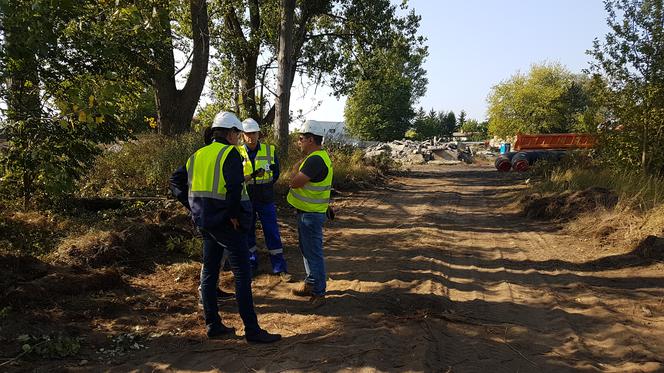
<point x="639" y="212"/>
<point x="183" y="271"/>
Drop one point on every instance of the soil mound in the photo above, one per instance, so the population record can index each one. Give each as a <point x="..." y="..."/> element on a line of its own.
<point x="102" y="248"/>
<point x="27" y="280"/>
<point x="568" y="205"/>
<point x="651" y="247"/>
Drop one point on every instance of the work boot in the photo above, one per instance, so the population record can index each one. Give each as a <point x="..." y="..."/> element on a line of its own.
<point x="317" y="301"/>
<point x="262" y="336"/>
<point x="285" y="277"/>
<point x="304" y="291"/>
<point x="216" y="331"/>
<point x="223" y="295"/>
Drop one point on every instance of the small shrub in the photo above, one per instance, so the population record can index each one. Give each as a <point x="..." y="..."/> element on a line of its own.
<point x="48" y="347"/>
<point x="140" y="167"/>
<point x="191" y="247"/>
<point x="579" y="172"/>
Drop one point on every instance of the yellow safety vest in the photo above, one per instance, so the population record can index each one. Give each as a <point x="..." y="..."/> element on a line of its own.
<point x="205" y="172"/>
<point x="264" y="159"/>
<point x="313" y="197"/>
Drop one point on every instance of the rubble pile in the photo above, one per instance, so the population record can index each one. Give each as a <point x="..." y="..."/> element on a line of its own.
<point x="435" y="151"/>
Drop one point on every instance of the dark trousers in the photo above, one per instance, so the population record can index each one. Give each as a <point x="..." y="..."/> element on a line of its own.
<point x="213" y="249"/>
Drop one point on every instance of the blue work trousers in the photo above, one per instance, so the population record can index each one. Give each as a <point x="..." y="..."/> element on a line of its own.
<point x="310" y="236"/>
<point x="267" y="213"/>
<point x="236" y="247"/>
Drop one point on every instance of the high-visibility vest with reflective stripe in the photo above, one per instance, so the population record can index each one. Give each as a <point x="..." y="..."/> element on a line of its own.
<point x="313" y="197"/>
<point x="205" y="172"/>
<point x="264" y="157"/>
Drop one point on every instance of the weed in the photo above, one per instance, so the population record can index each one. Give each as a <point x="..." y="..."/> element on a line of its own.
<point x="5" y="311"/>
<point x="56" y="347"/>
<point x="191" y="247"/>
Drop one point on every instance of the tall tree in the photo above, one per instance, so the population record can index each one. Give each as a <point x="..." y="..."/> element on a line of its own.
<point x="285" y="58"/>
<point x="176" y="106"/>
<point x="62" y="93"/>
<point x="549" y="99"/>
<point x="631" y="61"/>
<point x="462" y="119"/>
<point x="448" y="123"/>
<point x="247" y="40"/>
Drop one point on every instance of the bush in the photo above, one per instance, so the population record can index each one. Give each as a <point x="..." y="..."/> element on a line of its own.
<point x="578" y="172"/>
<point x="141" y="167"/>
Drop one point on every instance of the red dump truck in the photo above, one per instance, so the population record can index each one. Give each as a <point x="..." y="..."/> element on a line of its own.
<point x="554" y="141"/>
<point x="531" y="148"/>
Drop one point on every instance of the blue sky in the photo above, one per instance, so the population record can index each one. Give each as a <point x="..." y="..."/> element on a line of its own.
<point x="475" y="44"/>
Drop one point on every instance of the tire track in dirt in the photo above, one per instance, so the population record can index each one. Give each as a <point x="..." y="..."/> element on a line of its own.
<point x="433" y="273"/>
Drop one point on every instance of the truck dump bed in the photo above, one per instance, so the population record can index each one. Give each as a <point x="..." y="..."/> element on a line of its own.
<point x="554" y="141"/>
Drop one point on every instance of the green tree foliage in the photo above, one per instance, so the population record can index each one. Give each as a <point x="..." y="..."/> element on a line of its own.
<point x="60" y="102"/>
<point x="427" y="125"/>
<point x="333" y="41"/>
<point x="433" y="123"/>
<point x="478" y="130"/>
<point x="631" y="61"/>
<point x="549" y="99"/>
<point x="462" y="119"/>
<point x="448" y="123"/>
<point x="383" y="72"/>
<point x="380" y="109"/>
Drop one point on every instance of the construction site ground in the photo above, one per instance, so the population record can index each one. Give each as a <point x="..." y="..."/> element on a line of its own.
<point x="434" y="271"/>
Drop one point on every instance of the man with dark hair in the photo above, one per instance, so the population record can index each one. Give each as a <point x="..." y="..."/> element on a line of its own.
<point x="309" y="193"/>
<point x="213" y="183"/>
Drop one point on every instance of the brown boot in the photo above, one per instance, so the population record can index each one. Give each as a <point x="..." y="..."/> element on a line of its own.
<point x="317" y="301"/>
<point x="303" y="291"/>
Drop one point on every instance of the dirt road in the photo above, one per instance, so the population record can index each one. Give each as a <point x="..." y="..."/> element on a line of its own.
<point x="434" y="273"/>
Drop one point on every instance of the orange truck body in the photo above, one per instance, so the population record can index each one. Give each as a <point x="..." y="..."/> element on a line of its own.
<point x="554" y="141"/>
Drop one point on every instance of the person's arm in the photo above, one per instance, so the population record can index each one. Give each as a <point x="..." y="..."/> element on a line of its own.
<point x="179" y="185"/>
<point x="313" y="169"/>
<point x="274" y="167"/>
<point x="299" y="180"/>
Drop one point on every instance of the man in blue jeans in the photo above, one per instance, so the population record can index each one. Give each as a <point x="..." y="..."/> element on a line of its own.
<point x="309" y="193"/>
<point x="211" y="185"/>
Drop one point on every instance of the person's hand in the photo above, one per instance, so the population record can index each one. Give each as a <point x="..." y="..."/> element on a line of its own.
<point x="258" y="173"/>
<point x="235" y="223"/>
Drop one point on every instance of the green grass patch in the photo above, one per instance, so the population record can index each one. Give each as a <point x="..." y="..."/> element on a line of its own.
<point x="635" y="189"/>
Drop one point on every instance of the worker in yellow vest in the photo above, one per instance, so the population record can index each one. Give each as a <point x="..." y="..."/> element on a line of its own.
<point x="261" y="171"/>
<point x="309" y="193"/>
<point x="213" y="181"/>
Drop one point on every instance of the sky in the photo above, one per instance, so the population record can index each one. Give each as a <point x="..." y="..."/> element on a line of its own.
<point x="476" y="44"/>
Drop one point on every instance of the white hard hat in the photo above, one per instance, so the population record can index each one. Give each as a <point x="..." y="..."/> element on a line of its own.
<point x="250" y="125"/>
<point x="313" y="127"/>
<point x="226" y="119"/>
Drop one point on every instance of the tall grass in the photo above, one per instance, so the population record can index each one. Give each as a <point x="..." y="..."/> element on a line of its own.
<point x="142" y="167"/>
<point x="634" y="189"/>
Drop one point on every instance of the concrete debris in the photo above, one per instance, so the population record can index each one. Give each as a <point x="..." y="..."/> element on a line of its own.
<point x="434" y="151"/>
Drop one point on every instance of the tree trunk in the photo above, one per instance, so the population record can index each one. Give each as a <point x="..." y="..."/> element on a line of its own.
<point x="175" y="107"/>
<point x="284" y="76"/>
<point x="248" y="88"/>
<point x="298" y="36"/>
<point x="23" y="102"/>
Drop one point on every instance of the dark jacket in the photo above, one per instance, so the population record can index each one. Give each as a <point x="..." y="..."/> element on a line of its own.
<point x="213" y="214"/>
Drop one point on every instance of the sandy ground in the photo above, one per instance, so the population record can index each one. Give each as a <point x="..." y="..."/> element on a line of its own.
<point x="432" y="273"/>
